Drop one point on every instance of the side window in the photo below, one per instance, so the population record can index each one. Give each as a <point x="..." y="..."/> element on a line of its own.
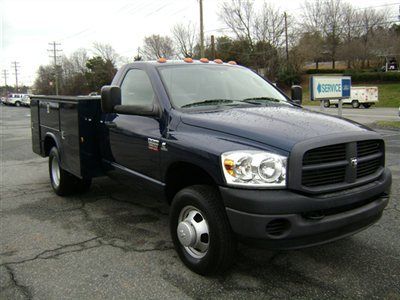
<point x="136" y="88"/>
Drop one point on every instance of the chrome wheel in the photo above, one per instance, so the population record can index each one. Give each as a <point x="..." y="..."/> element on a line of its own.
<point x="193" y="232"/>
<point x="55" y="171"/>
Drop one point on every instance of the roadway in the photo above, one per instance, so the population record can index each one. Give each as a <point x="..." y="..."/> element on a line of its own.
<point x="363" y="115"/>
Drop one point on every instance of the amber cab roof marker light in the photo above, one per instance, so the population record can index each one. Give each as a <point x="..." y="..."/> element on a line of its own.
<point x="232" y="62"/>
<point x="204" y="60"/>
<point x="162" y="60"/>
<point x="188" y="60"/>
<point x="218" y="61"/>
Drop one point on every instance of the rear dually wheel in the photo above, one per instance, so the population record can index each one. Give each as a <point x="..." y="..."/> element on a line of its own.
<point x="62" y="182"/>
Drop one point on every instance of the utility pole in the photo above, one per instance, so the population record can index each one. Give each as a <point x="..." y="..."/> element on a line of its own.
<point x="5" y="74"/>
<point x="201" y="29"/>
<point x="286" y="38"/>
<point x="5" y="81"/>
<point x="54" y="50"/>
<point x="137" y="57"/>
<point x="16" y="66"/>
<point x="213" y="47"/>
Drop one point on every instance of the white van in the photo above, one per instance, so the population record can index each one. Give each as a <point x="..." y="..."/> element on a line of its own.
<point x="360" y="95"/>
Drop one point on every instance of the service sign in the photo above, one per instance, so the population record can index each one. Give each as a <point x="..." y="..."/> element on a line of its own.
<point x="330" y="87"/>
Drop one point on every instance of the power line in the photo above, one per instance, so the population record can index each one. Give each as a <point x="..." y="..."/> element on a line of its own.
<point x="54" y="56"/>
<point x="16" y="66"/>
<point x="376" y="6"/>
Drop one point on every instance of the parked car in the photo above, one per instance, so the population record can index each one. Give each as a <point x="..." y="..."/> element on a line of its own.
<point x="360" y="95"/>
<point x="234" y="157"/>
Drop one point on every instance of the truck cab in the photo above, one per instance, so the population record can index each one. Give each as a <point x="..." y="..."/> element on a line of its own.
<point x="235" y="158"/>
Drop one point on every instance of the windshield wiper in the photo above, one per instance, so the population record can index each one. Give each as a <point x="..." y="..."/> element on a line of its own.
<point x="257" y="100"/>
<point x="211" y="102"/>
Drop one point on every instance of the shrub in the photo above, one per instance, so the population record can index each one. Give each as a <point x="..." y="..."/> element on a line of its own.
<point x="288" y="76"/>
<point x="365" y="76"/>
<point x="374" y="76"/>
<point x="324" y="71"/>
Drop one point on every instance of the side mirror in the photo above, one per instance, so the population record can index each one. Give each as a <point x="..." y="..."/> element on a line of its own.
<point x="110" y="97"/>
<point x="139" y="110"/>
<point x="297" y="94"/>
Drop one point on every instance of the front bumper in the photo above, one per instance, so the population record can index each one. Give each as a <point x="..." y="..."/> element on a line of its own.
<point x="284" y="219"/>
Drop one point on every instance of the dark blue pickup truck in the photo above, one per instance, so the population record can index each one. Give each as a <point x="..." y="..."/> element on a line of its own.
<point x="235" y="158"/>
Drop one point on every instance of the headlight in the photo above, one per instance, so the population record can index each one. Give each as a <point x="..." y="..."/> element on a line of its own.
<point x="254" y="168"/>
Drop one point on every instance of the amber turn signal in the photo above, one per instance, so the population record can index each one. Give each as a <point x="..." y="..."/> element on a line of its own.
<point x="162" y="60"/>
<point x="232" y="62"/>
<point x="204" y="60"/>
<point x="218" y="61"/>
<point x="229" y="164"/>
<point x="188" y="60"/>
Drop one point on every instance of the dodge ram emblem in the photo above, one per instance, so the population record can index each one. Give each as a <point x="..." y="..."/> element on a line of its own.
<point x="354" y="162"/>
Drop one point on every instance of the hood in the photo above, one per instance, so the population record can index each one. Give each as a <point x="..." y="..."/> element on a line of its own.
<point x="277" y="126"/>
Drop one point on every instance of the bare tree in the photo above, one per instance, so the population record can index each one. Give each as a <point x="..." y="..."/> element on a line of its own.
<point x="333" y="21"/>
<point x="238" y="15"/>
<point x="106" y="52"/>
<point x="371" y="21"/>
<point x="326" y="17"/>
<point x="156" y="46"/>
<point x="351" y="33"/>
<point x="185" y="38"/>
<point x="78" y="60"/>
<point x="269" y="25"/>
<point x="312" y="17"/>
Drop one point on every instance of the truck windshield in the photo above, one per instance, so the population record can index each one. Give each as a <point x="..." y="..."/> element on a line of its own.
<point x="216" y="85"/>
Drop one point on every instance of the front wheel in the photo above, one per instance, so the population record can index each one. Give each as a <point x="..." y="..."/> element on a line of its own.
<point x="17" y="104"/>
<point x="327" y="103"/>
<point x="62" y="182"/>
<point x="200" y="230"/>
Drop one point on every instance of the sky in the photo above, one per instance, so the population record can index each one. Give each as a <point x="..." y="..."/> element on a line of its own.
<point x="28" y="26"/>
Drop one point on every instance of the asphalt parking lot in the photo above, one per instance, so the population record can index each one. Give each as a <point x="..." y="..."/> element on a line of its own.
<point x="113" y="243"/>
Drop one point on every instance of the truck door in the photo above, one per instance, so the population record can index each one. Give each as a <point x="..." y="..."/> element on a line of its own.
<point x="134" y="140"/>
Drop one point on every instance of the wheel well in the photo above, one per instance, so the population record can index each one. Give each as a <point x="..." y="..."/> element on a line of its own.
<point x="49" y="143"/>
<point x="181" y="175"/>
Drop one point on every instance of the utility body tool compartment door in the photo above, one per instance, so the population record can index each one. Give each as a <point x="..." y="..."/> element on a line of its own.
<point x="35" y="128"/>
<point x="69" y="134"/>
<point x="49" y="115"/>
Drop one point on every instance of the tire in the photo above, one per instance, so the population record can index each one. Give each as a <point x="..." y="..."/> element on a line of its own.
<point x="366" y="105"/>
<point x="17" y="104"/>
<point x="62" y="182"/>
<point x="199" y="209"/>
<point x="355" y="104"/>
<point x="327" y="103"/>
<point x="336" y="105"/>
